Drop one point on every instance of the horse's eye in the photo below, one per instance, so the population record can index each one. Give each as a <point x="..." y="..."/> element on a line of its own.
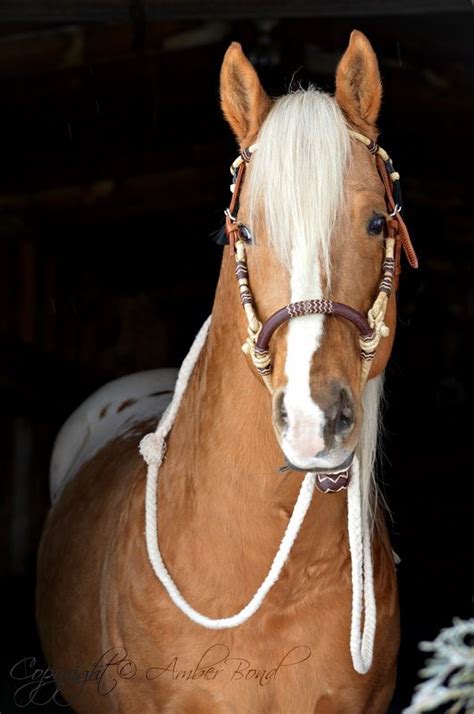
<point x="245" y="233"/>
<point x="376" y="224"/>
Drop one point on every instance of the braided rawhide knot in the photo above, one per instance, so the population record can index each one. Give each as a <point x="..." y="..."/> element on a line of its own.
<point x="368" y="346"/>
<point x="262" y="360"/>
<point x="152" y="448"/>
<point x="369" y="343"/>
<point x="376" y="315"/>
<point x="253" y="332"/>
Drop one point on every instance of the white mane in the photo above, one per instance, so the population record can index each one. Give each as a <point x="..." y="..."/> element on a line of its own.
<point x="297" y="175"/>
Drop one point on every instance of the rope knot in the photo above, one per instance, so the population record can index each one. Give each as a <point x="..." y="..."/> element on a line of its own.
<point x="151" y="448"/>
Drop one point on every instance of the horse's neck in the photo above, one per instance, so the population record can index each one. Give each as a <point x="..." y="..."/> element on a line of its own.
<point x="220" y="480"/>
<point x="223" y="437"/>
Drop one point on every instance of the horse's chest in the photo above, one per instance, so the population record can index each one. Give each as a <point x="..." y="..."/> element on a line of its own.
<point x="269" y="665"/>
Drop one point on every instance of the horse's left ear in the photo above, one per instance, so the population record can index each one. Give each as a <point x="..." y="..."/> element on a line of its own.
<point x="358" y="85"/>
<point x="244" y="101"/>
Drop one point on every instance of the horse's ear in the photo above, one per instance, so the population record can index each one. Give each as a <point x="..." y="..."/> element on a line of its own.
<point x="243" y="99"/>
<point x="358" y="85"/>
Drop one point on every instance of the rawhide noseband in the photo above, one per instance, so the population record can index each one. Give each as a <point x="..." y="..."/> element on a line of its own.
<point x="371" y="328"/>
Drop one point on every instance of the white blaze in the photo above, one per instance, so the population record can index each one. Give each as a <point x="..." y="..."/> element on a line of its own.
<point x="304" y="436"/>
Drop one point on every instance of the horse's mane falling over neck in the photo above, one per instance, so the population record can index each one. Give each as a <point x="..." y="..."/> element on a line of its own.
<point x="296" y="188"/>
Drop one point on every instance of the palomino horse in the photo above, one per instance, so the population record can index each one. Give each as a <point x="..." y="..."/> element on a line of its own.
<point x="317" y="231"/>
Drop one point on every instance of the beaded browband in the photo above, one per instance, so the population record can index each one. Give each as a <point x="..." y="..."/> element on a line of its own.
<point x="371" y="328"/>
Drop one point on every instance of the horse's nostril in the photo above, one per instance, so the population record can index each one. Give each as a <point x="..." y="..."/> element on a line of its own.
<point x="343" y="412"/>
<point x="344" y="421"/>
<point x="280" y="413"/>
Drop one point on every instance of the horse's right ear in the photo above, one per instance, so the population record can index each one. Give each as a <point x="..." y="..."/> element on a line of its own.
<point x="358" y="85"/>
<point x="243" y="99"/>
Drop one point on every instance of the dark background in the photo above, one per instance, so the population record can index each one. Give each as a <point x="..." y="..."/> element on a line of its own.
<point x="114" y="172"/>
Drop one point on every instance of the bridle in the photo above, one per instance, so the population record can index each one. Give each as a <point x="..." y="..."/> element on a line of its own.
<point x="371" y="327"/>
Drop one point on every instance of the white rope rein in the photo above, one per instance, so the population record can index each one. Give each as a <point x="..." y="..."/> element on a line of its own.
<point x="152" y="448"/>
<point x="363" y="596"/>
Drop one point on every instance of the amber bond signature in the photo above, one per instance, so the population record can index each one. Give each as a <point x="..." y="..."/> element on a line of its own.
<point x="42" y="686"/>
<point x="217" y="662"/>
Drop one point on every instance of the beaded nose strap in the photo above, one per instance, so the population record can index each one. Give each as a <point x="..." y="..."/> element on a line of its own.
<point x="371" y="328"/>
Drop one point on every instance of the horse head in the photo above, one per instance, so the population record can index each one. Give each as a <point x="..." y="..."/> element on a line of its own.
<point x="315" y="211"/>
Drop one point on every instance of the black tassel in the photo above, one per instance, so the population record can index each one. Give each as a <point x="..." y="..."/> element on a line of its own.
<point x="220" y="236"/>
